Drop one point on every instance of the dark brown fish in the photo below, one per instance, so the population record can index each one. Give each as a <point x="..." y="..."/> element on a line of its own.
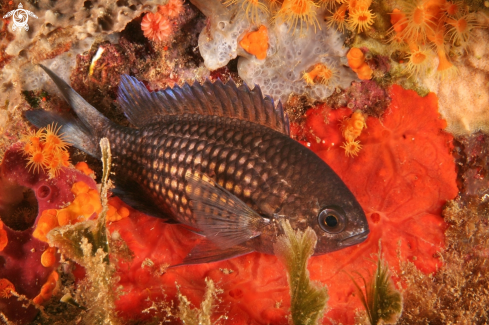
<point x="216" y="158"/>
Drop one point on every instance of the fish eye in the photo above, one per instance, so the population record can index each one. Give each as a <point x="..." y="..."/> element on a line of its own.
<point x="332" y="219"/>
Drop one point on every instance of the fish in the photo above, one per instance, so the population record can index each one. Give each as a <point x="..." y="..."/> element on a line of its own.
<point x="218" y="159"/>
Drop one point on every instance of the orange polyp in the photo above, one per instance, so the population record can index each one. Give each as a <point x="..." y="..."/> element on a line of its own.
<point x="419" y="16"/>
<point x="64" y="217"/>
<point x="256" y="43"/>
<point x="444" y="64"/>
<point x="338" y="18"/>
<point x="352" y="127"/>
<point x="320" y="73"/>
<point x="418" y="61"/>
<point x="446" y="69"/>
<point x="6" y="288"/>
<point x="52" y="138"/>
<point x="361" y="19"/>
<point x="452" y="8"/>
<point x="250" y="7"/>
<point x="48" y="258"/>
<point x="351" y="148"/>
<point x="46" y="150"/>
<point x="47" y="289"/>
<point x="398" y="20"/>
<point x="296" y="12"/>
<point x="37" y="161"/>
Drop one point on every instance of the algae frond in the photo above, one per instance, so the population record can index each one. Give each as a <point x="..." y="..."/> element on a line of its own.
<point x="86" y="243"/>
<point x="457" y="293"/>
<point x="382" y="301"/>
<point x="196" y="316"/>
<point x="308" y="299"/>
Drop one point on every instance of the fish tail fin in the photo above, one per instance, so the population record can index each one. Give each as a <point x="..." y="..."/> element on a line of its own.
<point x="72" y="128"/>
<point x="84" y="131"/>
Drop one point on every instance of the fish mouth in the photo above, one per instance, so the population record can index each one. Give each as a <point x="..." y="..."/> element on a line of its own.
<point x="353" y="240"/>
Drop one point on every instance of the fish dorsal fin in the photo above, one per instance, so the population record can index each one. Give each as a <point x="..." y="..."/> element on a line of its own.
<point x="211" y="98"/>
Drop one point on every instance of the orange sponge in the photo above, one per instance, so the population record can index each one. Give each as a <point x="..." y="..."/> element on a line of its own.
<point x="256" y="43"/>
<point x="86" y="202"/>
<point x="48" y="289"/>
<point x="3" y="237"/>
<point x="117" y="210"/>
<point x="47" y="221"/>
<point x="48" y="258"/>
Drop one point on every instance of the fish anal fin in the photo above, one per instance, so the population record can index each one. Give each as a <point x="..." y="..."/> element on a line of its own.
<point x="223" y="218"/>
<point x="212" y="98"/>
<point x="206" y="252"/>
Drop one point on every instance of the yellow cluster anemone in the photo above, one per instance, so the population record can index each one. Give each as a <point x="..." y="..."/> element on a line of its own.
<point x="46" y="150"/>
<point x="354" y="14"/>
<point x="351" y="128"/>
<point x="440" y="23"/>
<point x="319" y="74"/>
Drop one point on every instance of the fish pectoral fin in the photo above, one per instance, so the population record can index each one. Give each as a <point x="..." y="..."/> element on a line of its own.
<point x="223" y="218"/>
<point x="206" y="252"/>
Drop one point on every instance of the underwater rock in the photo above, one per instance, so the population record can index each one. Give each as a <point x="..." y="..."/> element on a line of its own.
<point x="402" y="177"/>
<point x="289" y="55"/>
<point x="62" y="30"/>
<point x="464" y="99"/>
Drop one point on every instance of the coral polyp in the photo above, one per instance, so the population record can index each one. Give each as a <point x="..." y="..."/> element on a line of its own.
<point x="156" y="27"/>
<point x="419" y="19"/>
<point x="460" y="29"/>
<point x="252" y="8"/>
<point x="419" y="61"/>
<point x="172" y="9"/>
<point x="338" y="18"/>
<point x="46" y="150"/>
<point x="6" y="288"/>
<point x="299" y="13"/>
<point x="361" y="19"/>
<point x="352" y="148"/>
<point x="321" y="74"/>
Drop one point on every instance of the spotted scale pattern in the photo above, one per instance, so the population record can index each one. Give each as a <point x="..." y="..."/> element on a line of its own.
<point x="255" y="163"/>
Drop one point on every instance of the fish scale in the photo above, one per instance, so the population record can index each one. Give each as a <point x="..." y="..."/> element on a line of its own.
<point x="232" y="154"/>
<point x="216" y="158"/>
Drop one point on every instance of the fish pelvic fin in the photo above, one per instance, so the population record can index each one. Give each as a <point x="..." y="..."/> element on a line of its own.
<point x="141" y="107"/>
<point x="223" y="218"/>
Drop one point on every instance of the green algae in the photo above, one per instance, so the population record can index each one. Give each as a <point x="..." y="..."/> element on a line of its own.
<point x="308" y="299"/>
<point x="382" y="301"/>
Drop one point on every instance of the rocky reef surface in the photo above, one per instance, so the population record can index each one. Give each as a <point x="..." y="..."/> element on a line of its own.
<point x="396" y="104"/>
